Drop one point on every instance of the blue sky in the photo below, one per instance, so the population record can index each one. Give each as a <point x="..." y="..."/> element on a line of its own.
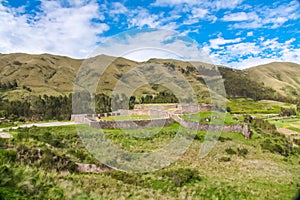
<point x="235" y="33"/>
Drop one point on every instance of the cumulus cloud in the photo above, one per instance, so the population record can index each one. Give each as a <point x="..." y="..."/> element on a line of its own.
<point x="117" y="8"/>
<point x="57" y="29"/>
<point x="215" y="43"/>
<point x="239" y="16"/>
<point x="75" y="27"/>
<point x="217" y="5"/>
<point x="248" y="54"/>
<point x="264" y="17"/>
<point x="249" y="34"/>
<point x="142" y="17"/>
<point x="141" y="45"/>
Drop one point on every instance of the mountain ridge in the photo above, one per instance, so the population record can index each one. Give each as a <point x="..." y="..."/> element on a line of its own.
<point x="54" y="74"/>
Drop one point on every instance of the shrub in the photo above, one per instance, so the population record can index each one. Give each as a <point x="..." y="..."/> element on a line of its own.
<point x="182" y="176"/>
<point x="287" y="111"/>
<point x="224" y="159"/>
<point x="223" y="139"/>
<point x="124" y="177"/>
<point x="242" y="152"/>
<point x="7" y="155"/>
<point x="230" y="151"/>
<point x="274" y="147"/>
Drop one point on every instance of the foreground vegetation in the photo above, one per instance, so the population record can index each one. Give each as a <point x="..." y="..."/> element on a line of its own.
<point x="39" y="163"/>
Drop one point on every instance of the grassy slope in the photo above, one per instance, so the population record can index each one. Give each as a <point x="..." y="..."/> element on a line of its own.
<point x="257" y="175"/>
<point x="222" y="118"/>
<point x="248" y="106"/>
<point x="54" y="75"/>
<point x="283" y="77"/>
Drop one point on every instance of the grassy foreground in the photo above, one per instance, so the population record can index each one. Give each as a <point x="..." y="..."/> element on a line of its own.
<point x="38" y="163"/>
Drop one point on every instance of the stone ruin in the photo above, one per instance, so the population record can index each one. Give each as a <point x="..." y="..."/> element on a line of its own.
<point x="160" y="116"/>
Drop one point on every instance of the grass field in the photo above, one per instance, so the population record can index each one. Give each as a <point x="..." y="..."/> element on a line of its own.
<point x="292" y="123"/>
<point x="221" y="118"/>
<point x="246" y="106"/>
<point x="235" y="169"/>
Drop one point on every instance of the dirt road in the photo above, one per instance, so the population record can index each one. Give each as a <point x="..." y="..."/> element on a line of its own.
<point x="48" y="124"/>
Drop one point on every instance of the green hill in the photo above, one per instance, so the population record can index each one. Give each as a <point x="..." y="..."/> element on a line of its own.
<point x="284" y="77"/>
<point x="55" y="75"/>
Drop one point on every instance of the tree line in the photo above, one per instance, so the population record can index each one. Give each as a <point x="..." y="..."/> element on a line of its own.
<point x="238" y="84"/>
<point x="37" y="108"/>
<point x="8" y="85"/>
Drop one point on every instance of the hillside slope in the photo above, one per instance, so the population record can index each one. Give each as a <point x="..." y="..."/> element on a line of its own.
<point x="284" y="77"/>
<point x="55" y="75"/>
<point x="43" y="74"/>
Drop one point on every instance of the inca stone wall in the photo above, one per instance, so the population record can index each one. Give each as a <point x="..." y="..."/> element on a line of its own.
<point x="160" y="118"/>
<point x="236" y="128"/>
<point x="132" y="124"/>
<point x="153" y="113"/>
<point x="181" y="107"/>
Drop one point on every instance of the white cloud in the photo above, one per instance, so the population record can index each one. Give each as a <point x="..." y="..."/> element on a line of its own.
<point x="199" y="12"/>
<point x="247" y="54"/>
<point x="216" y="5"/>
<point x="141" y="45"/>
<point x="215" y="43"/>
<point x="251" y="62"/>
<point x="174" y="2"/>
<point x="244" y="48"/>
<point x="249" y="34"/>
<point x="288" y="42"/>
<point x="239" y="16"/>
<point x="265" y="17"/>
<point x="223" y="4"/>
<point x="57" y="29"/>
<point x="141" y="17"/>
<point x="118" y="8"/>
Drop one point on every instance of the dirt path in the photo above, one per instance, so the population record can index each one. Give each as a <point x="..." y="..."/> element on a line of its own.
<point x="5" y="135"/>
<point x="48" y="124"/>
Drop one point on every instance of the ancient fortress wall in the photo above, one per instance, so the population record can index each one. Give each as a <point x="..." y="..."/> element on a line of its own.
<point x="132" y="124"/>
<point x="153" y="113"/>
<point x="160" y="118"/>
<point x="236" y="128"/>
<point x="181" y="107"/>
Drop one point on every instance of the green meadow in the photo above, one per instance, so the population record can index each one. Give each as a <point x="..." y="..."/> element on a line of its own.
<point x="38" y="163"/>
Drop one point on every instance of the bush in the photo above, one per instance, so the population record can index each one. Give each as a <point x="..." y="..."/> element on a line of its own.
<point x="224" y="159"/>
<point x="274" y="147"/>
<point x="265" y="126"/>
<point x="182" y="176"/>
<point x="242" y="152"/>
<point x="223" y="139"/>
<point x="230" y="151"/>
<point x="124" y="177"/>
<point x="7" y="156"/>
<point x="21" y="119"/>
<point x="287" y="111"/>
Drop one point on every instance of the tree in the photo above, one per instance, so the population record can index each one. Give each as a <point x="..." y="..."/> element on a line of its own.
<point x="298" y="104"/>
<point x="287" y="111"/>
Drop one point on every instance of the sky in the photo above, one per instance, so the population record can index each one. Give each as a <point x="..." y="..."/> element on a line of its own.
<point x="234" y="33"/>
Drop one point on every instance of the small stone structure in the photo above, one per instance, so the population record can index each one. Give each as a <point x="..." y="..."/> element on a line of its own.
<point x="236" y="128"/>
